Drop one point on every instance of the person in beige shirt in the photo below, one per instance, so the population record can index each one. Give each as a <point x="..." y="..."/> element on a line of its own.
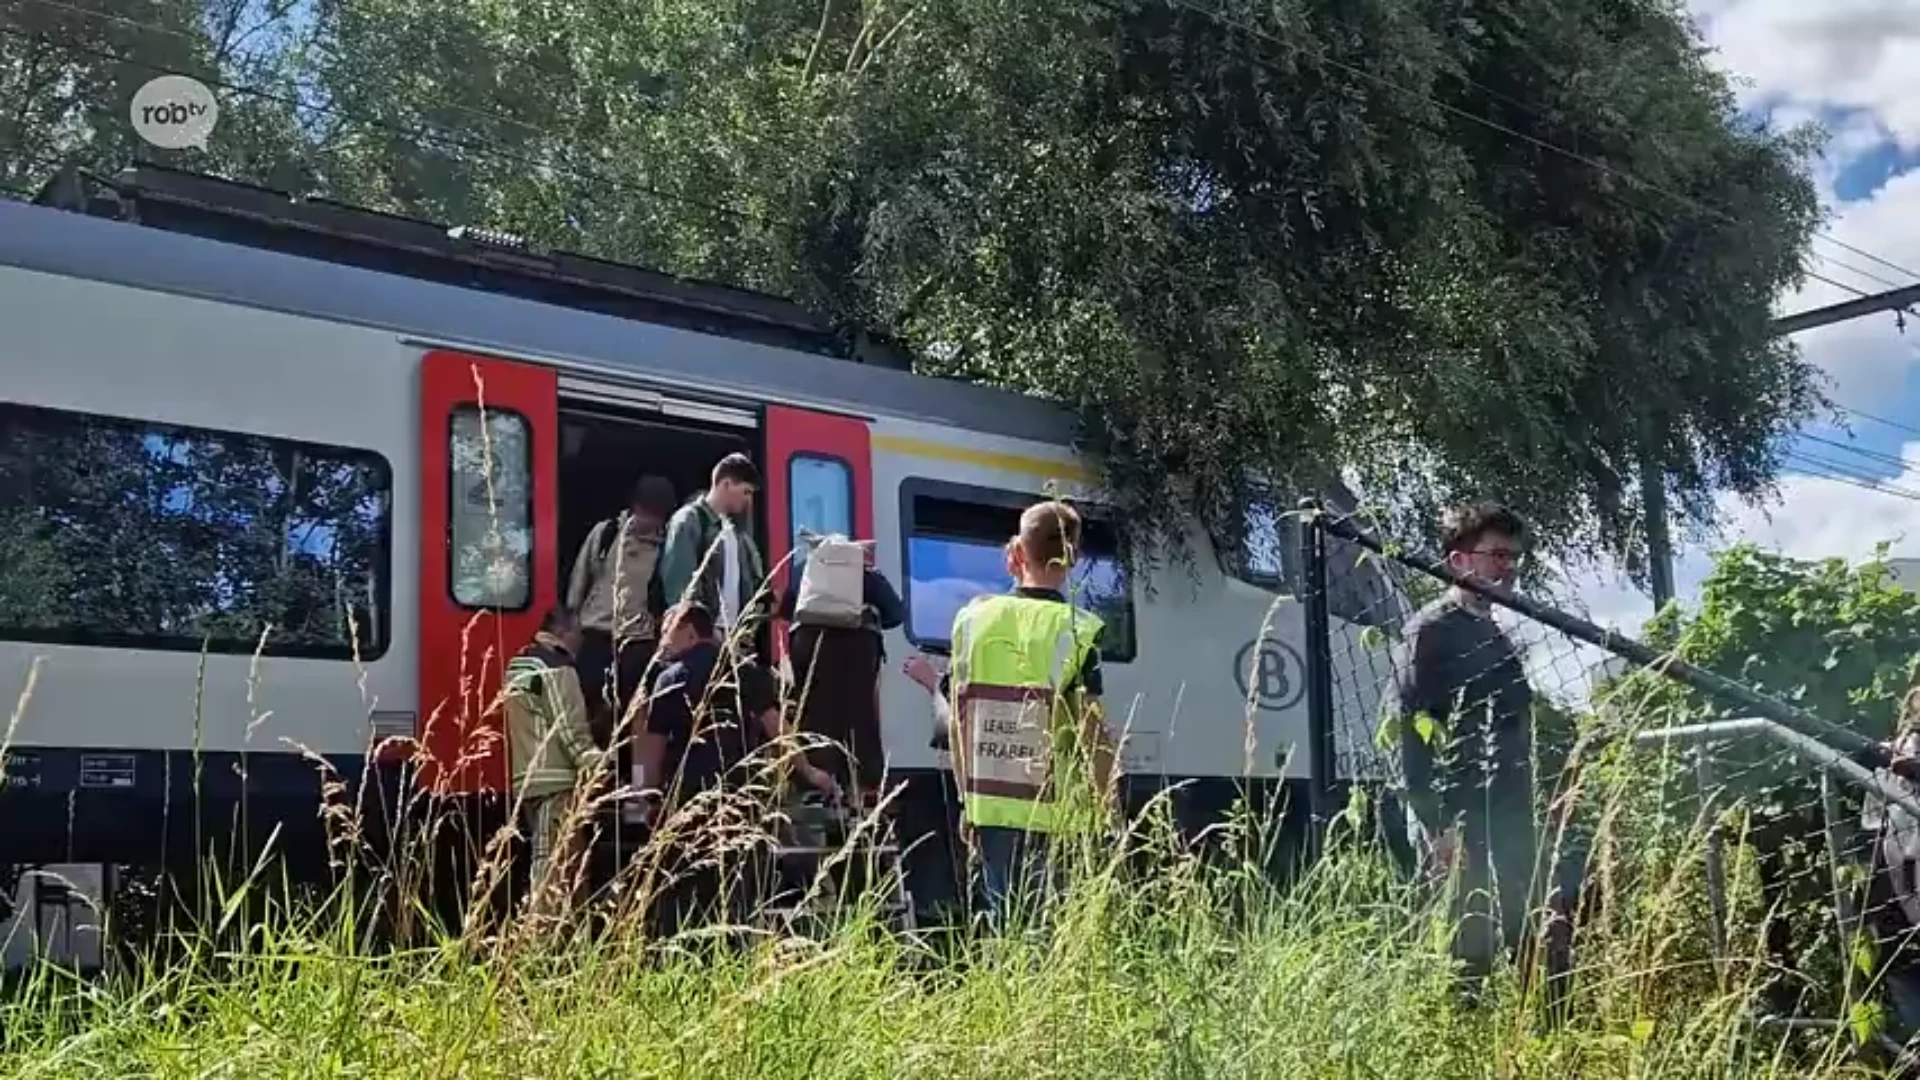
<point x="615" y="588"/>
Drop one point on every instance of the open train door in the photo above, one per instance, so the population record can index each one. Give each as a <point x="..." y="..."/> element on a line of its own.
<point x="819" y="477"/>
<point x="488" y="569"/>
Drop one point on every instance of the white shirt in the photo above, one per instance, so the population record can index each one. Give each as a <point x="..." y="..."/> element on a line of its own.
<point x="729" y="612"/>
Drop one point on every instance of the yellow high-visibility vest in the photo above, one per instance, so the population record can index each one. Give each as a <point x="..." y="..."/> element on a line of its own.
<point x="1016" y="663"/>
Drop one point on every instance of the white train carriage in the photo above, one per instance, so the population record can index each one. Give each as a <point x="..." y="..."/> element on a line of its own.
<point x="246" y="410"/>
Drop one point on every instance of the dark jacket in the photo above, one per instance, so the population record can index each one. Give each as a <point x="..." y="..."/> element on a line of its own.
<point x="1461" y="672"/>
<point x="883" y="612"/>
<point x="711" y="720"/>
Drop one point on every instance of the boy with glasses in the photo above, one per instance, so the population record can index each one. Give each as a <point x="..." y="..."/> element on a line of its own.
<point x="1466" y="740"/>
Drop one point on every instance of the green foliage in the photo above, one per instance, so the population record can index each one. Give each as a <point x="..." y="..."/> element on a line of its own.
<point x="1233" y="237"/>
<point x="1840" y="640"/>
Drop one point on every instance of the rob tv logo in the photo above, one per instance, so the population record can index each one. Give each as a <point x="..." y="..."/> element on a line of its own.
<point x="174" y="112"/>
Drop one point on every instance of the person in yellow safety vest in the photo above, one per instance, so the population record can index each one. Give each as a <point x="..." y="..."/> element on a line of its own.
<point x="549" y="744"/>
<point x="1035" y="760"/>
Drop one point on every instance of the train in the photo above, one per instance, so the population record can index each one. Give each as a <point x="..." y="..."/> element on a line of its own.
<point x="280" y="474"/>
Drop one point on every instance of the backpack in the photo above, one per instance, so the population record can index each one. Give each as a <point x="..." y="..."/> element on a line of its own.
<point x="609" y="533"/>
<point x="832" y="584"/>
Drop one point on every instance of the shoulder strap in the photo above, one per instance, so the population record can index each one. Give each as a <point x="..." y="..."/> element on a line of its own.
<point x="608" y="533"/>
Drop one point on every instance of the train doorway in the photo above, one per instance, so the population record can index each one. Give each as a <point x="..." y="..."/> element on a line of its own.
<point x="602" y="453"/>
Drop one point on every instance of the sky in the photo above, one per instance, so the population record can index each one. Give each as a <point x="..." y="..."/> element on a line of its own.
<point x="1853" y="66"/>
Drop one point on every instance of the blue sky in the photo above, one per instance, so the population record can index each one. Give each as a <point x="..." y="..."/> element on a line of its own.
<point x="947" y="573"/>
<point x="1854" y="67"/>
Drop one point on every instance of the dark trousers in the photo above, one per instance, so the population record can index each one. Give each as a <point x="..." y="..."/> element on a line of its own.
<point x="698" y="887"/>
<point x="611" y="684"/>
<point x="1506" y="892"/>
<point x="835" y="675"/>
<point x="1016" y="873"/>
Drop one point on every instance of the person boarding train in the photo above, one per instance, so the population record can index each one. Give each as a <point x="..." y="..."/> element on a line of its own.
<point x="839" y="608"/>
<point x="617" y="591"/>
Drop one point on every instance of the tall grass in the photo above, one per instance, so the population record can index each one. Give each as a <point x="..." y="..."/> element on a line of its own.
<point x="1180" y="967"/>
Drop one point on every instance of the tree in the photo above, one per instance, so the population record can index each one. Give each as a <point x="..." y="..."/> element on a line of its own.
<point x="69" y="74"/>
<point x="1240" y="240"/>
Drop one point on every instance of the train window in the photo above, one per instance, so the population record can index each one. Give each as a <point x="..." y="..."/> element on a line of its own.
<point x="491" y="519"/>
<point x="126" y="534"/>
<point x="955" y="543"/>
<point x="1359" y="590"/>
<point x="819" y="499"/>
<point x="1266" y="549"/>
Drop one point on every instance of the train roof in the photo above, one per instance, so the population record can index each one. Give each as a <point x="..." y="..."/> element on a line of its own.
<point x="198" y="236"/>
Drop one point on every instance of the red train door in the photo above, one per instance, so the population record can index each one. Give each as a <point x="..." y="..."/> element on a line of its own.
<point x="488" y="526"/>
<point x="819" y="476"/>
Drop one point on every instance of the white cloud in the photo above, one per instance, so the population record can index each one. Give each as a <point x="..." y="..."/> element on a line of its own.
<point x="1817" y="517"/>
<point x="1847" y="53"/>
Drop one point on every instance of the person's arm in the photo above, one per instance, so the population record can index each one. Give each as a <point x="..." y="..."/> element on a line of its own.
<point x="790" y="596"/>
<point x="942" y="691"/>
<point x="680" y="555"/>
<point x="1093" y="733"/>
<point x="1420" y="688"/>
<point x="665" y="713"/>
<point x="884" y="600"/>
<point x="571" y="727"/>
<point x="581" y="581"/>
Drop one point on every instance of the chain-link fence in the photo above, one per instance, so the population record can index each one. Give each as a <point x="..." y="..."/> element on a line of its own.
<point x="1661" y="822"/>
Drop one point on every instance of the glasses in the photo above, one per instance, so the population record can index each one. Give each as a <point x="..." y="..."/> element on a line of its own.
<point x="1505" y="555"/>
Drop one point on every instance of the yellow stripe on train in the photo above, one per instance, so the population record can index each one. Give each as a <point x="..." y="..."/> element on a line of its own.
<point x="1046" y="468"/>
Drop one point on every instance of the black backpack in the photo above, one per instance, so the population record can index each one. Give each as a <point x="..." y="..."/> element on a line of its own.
<point x="656" y="592"/>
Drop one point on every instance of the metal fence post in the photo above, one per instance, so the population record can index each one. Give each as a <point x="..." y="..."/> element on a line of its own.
<point x="1319" y="674"/>
<point x="1833" y="820"/>
<point x="1716" y="873"/>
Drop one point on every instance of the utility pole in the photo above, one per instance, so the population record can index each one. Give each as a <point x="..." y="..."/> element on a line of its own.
<point x="1653" y="488"/>
<point x="1892" y="300"/>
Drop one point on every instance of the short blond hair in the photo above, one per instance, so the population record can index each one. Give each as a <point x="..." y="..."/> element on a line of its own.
<point x="1049" y="533"/>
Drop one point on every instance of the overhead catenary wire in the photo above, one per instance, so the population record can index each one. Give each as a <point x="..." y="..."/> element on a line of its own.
<point x="1850" y="268"/>
<point x="1822" y="469"/>
<point x="1863" y="253"/>
<point x="1885" y="422"/>
<point x="1876" y="456"/>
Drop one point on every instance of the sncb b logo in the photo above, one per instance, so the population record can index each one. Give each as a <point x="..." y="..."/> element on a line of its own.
<point x="1270" y="674"/>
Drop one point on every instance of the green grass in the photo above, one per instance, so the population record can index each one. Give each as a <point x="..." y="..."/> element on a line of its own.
<point x="1183" y="971"/>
